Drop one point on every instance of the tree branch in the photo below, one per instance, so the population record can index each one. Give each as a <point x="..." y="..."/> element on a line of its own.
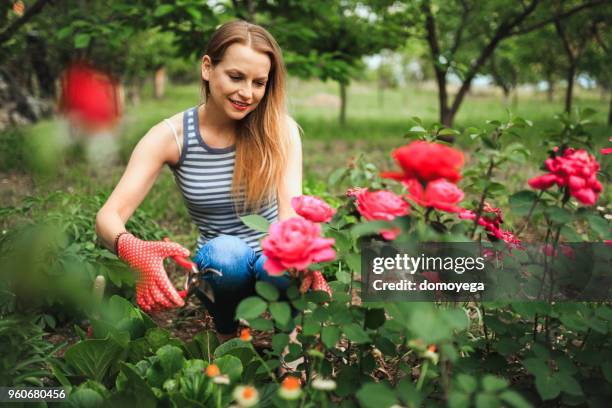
<point x="503" y="31"/>
<point x="9" y="31"/>
<point x="565" y="41"/>
<point x="561" y="16"/>
<point x="459" y="33"/>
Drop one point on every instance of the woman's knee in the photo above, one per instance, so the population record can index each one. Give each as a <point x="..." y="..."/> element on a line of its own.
<point x="229" y="255"/>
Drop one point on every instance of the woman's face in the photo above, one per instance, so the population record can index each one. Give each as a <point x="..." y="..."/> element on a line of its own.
<point x="237" y="83"/>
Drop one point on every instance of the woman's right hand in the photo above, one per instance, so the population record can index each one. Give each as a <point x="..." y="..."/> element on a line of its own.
<point x="154" y="291"/>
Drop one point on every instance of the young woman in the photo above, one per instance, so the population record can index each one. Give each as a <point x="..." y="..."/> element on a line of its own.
<point x="238" y="153"/>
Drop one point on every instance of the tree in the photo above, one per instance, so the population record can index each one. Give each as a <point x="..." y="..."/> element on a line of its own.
<point x="575" y="34"/>
<point x="328" y="39"/>
<point x="462" y="35"/>
<point x="596" y="61"/>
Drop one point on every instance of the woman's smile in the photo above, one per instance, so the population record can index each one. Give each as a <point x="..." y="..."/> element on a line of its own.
<point x="241" y="106"/>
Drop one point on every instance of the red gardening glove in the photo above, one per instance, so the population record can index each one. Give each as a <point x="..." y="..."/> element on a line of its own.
<point x="154" y="291"/>
<point x="316" y="281"/>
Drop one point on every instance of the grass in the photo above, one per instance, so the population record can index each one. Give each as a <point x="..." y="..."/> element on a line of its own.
<point x="48" y="153"/>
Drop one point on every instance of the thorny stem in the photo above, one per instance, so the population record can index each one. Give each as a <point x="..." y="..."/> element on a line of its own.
<point x="483" y="197"/>
<point x="263" y="362"/>
<point x="533" y="206"/>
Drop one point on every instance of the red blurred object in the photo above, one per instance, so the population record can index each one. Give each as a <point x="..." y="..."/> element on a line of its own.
<point x="89" y="97"/>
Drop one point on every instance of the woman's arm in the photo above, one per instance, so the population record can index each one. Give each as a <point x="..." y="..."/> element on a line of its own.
<point x="292" y="182"/>
<point x="155" y="149"/>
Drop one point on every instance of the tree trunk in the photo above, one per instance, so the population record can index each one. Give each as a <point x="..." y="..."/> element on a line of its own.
<point x="342" y="103"/>
<point x="160" y="83"/>
<point x="610" y="111"/>
<point x="550" y="92"/>
<point x="571" y="73"/>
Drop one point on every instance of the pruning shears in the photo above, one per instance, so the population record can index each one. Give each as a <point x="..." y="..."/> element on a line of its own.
<point x="194" y="278"/>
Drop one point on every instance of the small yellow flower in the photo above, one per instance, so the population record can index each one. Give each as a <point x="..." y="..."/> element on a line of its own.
<point x="291" y="388"/>
<point x="246" y="395"/>
<point x="212" y="370"/>
<point x="245" y="334"/>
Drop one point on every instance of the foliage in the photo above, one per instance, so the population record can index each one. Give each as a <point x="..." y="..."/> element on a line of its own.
<point x="24" y="354"/>
<point x="48" y="255"/>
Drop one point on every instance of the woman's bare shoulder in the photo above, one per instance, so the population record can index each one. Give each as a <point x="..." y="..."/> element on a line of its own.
<point x="294" y="129"/>
<point x="164" y="137"/>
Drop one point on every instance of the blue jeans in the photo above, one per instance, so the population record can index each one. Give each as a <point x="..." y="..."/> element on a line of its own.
<point x="241" y="268"/>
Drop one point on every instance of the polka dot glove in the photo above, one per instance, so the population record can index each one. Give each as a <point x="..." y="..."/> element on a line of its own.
<point x="316" y="281"/>
<point x="154" y="291"/>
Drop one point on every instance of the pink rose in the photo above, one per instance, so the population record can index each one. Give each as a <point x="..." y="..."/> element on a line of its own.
<point x="381" y="205"/>
<point x="295" y="243"/>
<point x="312" y="208"/>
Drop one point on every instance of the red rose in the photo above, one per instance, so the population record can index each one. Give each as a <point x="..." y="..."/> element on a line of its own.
<point x="427" y="162"/>
<point x="439" y="194"/>
<point x="295" y="243"/>
<point x="312" y="208"/>
<point x="574" y="169"/>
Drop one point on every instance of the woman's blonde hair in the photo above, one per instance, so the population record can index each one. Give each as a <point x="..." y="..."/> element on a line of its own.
<point x="261" y="137"/>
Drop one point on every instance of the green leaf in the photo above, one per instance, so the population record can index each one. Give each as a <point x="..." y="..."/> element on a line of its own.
<point x="376" y="395"/>
<point x="559" y="215"/>
<point x="487" y="401"/>
<point x="492" y="383"/>
<point x="260" y="323"/>
<point x="458" y="400"/>
<point x="514" y="399"/>
<point x="137" y="386"/>
<point x="266" y="290"/>
<point x="64" y="32"/>
<point x="606" y="368"/>
<point x="599" y="225"/>
<point x="237" y="348"/>
<point x="93" y="358"/>
<point x="330" y="336"/>
<point x="163" y="9"/>
<point x="548" y="387"/>
<point x="569" y="384"/>
<point x="466" y="382"/>
<point x="356" y="334"/>
<point x="281" y="312"/>
<point x="521" y="202"/>
<point x="81" y="40"/>
<point x="231" y="366"/>
<point x="203" y="345"/>
<point x="369" y="228"/>
<point x="374" y="318"/>
<point x="85" y="397"/>
<point x="250" y="308"/>
<point x="170" y="359"/>
<point x="536" y="367"/>
<point x="256" y="222"/>
<point x="279" y="341"/>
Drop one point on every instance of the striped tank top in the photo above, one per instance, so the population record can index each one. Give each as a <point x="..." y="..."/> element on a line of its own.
<point x="204" y="176"/>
